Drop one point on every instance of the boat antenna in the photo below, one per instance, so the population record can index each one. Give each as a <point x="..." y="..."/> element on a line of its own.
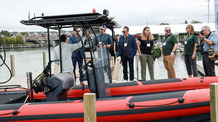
<point x="29" y="16"/>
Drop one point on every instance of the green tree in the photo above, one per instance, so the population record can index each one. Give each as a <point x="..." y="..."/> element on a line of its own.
<point x="195" y="22"/>
<point x="24" y="33"/>
<point x="19" y="39"/>
<point x="164" y="24"/>
<point x="5" y="33"/>
<point x="9" y="40"/>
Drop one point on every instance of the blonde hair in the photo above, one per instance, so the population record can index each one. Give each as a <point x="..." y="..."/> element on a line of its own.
<point x="192" y="31"/>
<point x="144" y="37"/>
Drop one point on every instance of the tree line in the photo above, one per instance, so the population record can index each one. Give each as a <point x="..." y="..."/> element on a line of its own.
<point x="8" y="39"/>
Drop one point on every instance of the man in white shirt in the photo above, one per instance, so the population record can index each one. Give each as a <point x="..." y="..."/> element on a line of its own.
<point x="66" y="50"/>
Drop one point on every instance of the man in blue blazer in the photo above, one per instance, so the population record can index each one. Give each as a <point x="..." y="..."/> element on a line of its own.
<point x="77" y="55"/>
<point x="127" y="51"/>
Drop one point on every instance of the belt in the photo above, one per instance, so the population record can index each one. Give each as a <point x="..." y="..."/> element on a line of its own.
<point x="205" y="52"/>
<point x="77" y="50"/>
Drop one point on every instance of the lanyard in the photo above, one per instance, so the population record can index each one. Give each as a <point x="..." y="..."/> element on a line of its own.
<point x="101" y="38"/>
<point x="125" y="39"/>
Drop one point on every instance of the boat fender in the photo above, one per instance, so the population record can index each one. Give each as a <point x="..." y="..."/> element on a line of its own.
<point x="184" y="78"/>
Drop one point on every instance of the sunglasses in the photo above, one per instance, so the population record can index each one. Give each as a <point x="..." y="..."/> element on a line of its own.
<point x="168" y="30"/>
<point x="123" y="31"/>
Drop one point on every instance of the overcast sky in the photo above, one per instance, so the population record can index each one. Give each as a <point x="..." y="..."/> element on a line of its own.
<point x="126" y="12"/>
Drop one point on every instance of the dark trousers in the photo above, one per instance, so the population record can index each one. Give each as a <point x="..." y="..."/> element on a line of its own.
<point x="78" y="59"/>
<point x="191" y="65"/>
<point x="124" y="60"/>
<point x="208" y="65"/>
<point x="109" y="68"/>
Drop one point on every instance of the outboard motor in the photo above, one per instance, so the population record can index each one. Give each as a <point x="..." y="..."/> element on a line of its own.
<point x="56" y="87"/>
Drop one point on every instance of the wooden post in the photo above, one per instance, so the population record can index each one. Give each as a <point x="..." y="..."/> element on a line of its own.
<point x="89" y="100"/>
<point x="12" y="65"/>
<point x="44" y="60"/>
<point x="214" y="102"/>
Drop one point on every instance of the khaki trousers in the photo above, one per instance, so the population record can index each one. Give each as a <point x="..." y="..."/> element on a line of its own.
<point x="169" y="65"/>
<point x="147" y="59"/>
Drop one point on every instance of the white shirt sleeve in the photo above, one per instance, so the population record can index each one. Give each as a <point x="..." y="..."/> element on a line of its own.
<point x="77" y="45"/>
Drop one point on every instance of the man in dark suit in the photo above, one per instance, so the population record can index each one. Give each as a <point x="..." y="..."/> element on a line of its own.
<point x="127" y="51"/>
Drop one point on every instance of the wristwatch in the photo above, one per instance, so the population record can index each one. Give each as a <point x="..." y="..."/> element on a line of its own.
<point x="203" y="38"/>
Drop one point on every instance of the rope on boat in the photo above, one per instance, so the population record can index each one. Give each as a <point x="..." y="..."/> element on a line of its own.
<point x="3" y="61"/>
<point x="15" y="112"/>
<point x="132" y="105"/>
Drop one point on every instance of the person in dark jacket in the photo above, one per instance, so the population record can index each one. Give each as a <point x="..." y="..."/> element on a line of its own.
<point x="77" y="55"/>
<point x="127" y="51"/>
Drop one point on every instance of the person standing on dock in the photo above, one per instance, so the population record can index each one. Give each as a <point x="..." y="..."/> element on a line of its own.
<point x="127" y="51"/>
<point x="104" y="38"/>
<point x="209" y="38"/>
<point x="78" y="54"/>
<point x="145" y="44"/>
<point x="190" y="50"/>
<point x="169" y="49"/>
<point x="66" y="51"/>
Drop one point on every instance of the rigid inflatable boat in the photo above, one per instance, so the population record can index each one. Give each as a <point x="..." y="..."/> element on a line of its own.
<point x="50" y="98"/>
<point x="143" y="87"/>
<point x="188" y="105"/>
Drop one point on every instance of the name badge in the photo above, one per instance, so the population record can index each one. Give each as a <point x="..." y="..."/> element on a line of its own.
<point x="148" y="45"/>
<point x="125" y="44"/>
<point x="164" y="43"/>
<point x="185" y="42"/>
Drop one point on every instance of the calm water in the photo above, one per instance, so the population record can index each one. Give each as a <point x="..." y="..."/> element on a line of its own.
<point x="31" y="60"/>
<point x="26" y="60"/>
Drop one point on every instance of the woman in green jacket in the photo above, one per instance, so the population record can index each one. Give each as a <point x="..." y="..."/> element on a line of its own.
<point x="190" y="52"/>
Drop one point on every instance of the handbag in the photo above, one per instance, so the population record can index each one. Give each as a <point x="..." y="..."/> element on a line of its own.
<point x="213" y="55"/>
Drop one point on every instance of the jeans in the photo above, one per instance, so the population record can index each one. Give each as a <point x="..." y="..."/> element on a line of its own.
<point x="78" y="59"/>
